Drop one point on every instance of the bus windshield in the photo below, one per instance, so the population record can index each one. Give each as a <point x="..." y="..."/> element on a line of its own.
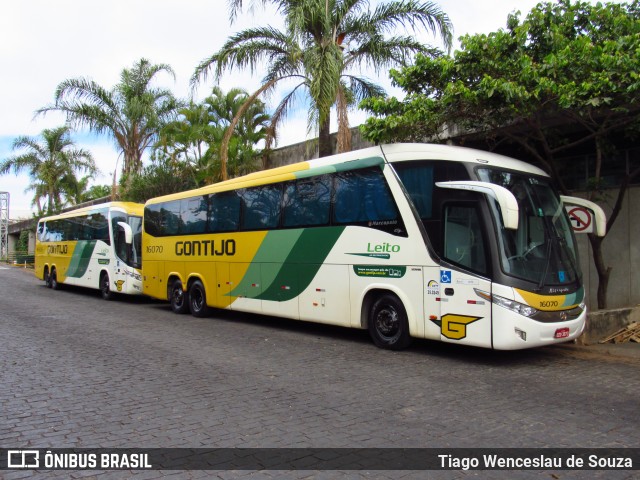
<point x="130" y="254"/>
<point x="543" y="249"/>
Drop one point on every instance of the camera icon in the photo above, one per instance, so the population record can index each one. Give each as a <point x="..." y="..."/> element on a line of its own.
<point x="23" y="458"/>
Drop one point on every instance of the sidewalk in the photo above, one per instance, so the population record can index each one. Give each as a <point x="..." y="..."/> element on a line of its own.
<point x="629" y="350"/>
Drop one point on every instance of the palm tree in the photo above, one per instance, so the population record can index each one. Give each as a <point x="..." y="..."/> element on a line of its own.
<point x="252" y="127"/>
<point x="77" y="190"/>
<point x="322" y="42"/>
<point x="185" y="138"/>
<point x="131" y="113"/>
<point x="51" y="163"/>
<point x="196" y="135"/>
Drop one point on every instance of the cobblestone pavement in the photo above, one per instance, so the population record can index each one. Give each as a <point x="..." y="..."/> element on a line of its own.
<point x="78" y="371"/>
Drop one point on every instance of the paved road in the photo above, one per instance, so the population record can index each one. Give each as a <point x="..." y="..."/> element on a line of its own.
<point x="77" y="371"/>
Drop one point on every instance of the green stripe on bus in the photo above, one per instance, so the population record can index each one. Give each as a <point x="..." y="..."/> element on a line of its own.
<point x="80" y="258"/>
<point x="274" y="249"/>
<point x="360" y="163"/>
<point x="575" y="298"/>
<point x="311" y="249"/>
<point x="341" y="167"/>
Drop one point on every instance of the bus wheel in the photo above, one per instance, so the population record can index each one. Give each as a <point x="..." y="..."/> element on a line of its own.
<point x="47" y="277"/>
<point x="105" y="290"/>
<point x="388" y="324"/>
<point x="198" y="300"/>
<point x="53" y="280"/>
<point x="178" y="298"/>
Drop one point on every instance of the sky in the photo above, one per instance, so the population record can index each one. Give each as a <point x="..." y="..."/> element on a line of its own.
<point x="44" y="42"/>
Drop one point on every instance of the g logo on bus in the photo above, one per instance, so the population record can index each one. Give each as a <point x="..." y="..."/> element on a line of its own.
<point x="454" y="327"/>
<point x="119" y="284"/>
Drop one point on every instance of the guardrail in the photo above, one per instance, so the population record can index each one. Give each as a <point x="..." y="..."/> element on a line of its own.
<point x="22" y="259"/>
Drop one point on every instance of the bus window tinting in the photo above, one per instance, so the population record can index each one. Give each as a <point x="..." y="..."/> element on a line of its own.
<point x="85" y="227"/>
<point x="261" y="207"/>
<point x="358" y="197"/>
<point x="225" y="212"/>
<point x="307" y="202"/>
<point x="193" y="214"/>
<point x="363" y="196"/>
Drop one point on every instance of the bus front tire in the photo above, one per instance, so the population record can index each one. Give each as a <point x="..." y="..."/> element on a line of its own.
<point x="198" y="300"/>
<point x="178" y="298"/>
<point x="388" y="323"/>
<point x="105" y="290"/>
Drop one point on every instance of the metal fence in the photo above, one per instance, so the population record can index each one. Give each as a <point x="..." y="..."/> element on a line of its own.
<point x="23" y="259"/>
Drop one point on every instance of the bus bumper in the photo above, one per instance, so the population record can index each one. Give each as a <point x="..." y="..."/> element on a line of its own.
<point x="515" y="332"/>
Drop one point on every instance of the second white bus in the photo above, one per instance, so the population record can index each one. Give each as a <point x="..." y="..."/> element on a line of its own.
<point x="96" y="247"/>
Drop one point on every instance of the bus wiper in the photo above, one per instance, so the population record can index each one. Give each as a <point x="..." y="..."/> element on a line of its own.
<point x="546" y="265"/>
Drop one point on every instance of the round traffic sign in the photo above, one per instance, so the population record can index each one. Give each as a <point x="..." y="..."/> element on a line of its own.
<point x="580" y="219"/>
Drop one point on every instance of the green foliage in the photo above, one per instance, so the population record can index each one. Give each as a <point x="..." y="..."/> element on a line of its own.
<point x="95" y="192"/>
<point x="52" y="163"/>
<point x="323" y="41"/>
<point x="23" y="241"/>
<point x="195" y="137"/>
<point x="131" y="113"/>
<point x="163" y="176"/>
<point x="565" y="63"/>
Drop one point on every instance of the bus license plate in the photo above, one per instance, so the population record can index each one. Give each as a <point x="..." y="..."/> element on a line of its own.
<point x="562" y="333"/>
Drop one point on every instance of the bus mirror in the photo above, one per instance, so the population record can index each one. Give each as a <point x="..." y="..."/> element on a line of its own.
<point x="600" y="219"/>
<point x="128" y="233"/>
<point x="506" y="200"/>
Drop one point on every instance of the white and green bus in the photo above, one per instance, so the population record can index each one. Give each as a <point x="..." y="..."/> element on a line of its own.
<point x="96" y="247"/>
<point x="405" y="240"/>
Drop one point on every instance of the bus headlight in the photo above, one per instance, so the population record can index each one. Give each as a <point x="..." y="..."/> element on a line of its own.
<point x="517" y="307"/>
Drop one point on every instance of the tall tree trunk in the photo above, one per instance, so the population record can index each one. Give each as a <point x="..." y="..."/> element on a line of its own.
<point x="343" y="143"/>
<point x="604" y="272"/>
<point x="324" y="138"/>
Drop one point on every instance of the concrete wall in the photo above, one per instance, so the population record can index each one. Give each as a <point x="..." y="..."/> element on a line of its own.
<point x="308" y="150"/>
<point x="603" y="323"/>
<point x="621" y="252"/>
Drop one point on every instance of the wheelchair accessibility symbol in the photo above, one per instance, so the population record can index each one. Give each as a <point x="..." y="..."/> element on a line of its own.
<point x="445" y="276"/>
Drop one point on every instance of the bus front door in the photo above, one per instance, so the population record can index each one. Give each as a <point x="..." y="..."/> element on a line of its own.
<point x="465" y="317"/>
<point x="465" y="314"/>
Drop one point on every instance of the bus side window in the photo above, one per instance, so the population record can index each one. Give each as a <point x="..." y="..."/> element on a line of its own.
<point x="261" y="207"/>
<point x="172" y="223"/>
<point x="419" y="183"/>
<point x="42" y="232"/>
<point x="362" y="196"/>
<point x="153" y="220"/>
<point x="225" y="212"/>
<point x="307" y="202"/>
<point x="193" y="212"/>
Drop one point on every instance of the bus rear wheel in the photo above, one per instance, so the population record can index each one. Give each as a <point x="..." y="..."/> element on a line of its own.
<point x="198" y="299"/>
<point x="178" y="297"/>
<point x="388" y="323"/>
<point x="53" y="280"/>
<point x="105" y="290"/>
